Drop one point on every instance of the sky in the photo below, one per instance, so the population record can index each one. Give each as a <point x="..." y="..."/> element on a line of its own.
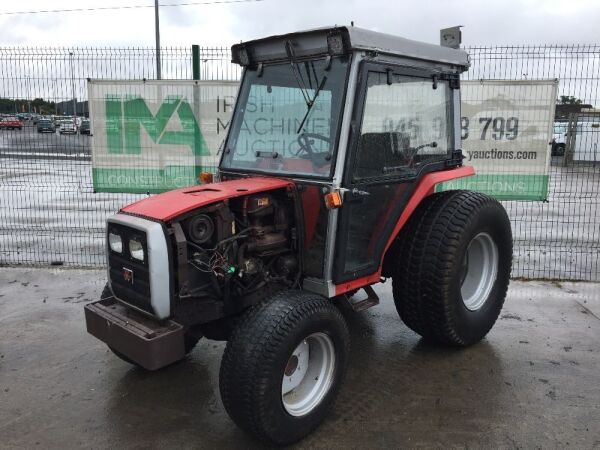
<point x="485" y="22"/>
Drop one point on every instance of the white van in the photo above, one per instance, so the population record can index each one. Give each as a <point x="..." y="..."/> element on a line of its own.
<point x="586" y="142"/>
<point x="559" y="137"/>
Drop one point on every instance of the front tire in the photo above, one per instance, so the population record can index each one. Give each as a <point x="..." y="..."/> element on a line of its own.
<point x="454" y="259"/>
<point x="283" y="366"/>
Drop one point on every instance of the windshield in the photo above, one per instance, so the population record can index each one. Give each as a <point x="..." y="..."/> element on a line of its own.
<point x="287" y="118"/>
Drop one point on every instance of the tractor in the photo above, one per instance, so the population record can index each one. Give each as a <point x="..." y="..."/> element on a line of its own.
<point x="329" y="182"/>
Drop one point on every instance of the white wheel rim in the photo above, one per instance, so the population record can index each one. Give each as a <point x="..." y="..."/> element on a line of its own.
<point x="480" y="268"/>
<point x="308" y="374"/>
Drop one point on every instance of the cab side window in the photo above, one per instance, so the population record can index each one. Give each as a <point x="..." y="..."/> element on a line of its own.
<point x="406" y="124"/>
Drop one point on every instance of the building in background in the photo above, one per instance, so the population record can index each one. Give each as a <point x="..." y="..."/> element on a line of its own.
<point x="66" y="108"/>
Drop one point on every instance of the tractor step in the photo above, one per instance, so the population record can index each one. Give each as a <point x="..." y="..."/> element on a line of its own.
<point x="371" y="300"/>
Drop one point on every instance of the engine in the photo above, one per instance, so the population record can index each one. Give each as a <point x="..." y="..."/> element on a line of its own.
<point x="236" y="248"/>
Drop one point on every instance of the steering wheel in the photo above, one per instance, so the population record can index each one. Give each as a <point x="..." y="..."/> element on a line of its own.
<point x="306" y="140"/>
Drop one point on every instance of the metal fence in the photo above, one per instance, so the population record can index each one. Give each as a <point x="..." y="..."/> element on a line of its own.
<point x="558" y="239"/>
<point x="50" y="214"/>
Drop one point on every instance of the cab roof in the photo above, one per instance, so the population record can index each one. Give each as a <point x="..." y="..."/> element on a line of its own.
<point x="342" y="40"/>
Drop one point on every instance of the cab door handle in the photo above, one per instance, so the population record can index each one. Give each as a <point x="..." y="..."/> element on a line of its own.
<point x="354" y="191"/>
<point x="355" y="195"/>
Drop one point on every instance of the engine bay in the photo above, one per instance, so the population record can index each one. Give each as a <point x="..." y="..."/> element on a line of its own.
<point x="230" y="250"/>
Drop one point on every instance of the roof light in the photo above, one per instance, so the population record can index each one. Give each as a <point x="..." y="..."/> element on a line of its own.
<point x="335" y="44"/>
<point x="243" y="56"/>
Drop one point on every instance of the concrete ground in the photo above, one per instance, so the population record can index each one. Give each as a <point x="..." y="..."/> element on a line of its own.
<point x="532" y="383"/>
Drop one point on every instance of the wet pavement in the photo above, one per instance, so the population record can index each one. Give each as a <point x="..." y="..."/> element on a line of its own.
<point x="533" y="382"/>
<point x="50" y="202"/>
<point x="28" y="143"/>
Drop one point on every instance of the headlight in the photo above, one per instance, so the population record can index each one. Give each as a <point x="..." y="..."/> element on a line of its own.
<point x="136" y="250"/>
<point x="115" y="242"/>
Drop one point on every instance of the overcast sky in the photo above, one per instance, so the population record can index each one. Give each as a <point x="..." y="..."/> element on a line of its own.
<point x="486" y="22"/>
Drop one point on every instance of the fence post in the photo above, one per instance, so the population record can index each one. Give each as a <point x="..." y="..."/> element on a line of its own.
<point x="196" y="101"/>
<point x="195" y="62"/>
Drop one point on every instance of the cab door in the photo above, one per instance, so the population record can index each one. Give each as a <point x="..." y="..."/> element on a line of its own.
<point x="402" y="129"/>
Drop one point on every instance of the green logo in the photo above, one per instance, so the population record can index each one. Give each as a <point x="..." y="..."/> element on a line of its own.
<point x="126" y="115"/>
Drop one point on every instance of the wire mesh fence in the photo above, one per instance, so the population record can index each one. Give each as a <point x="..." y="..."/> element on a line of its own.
<point x="560" y="238"/>
<point x="49" y="212"/>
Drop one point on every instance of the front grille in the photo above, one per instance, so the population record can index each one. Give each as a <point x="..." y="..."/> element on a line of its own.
<point x="129" y="277"/>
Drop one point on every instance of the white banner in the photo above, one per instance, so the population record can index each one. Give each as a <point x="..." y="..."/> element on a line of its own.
<point x="506" y="129"/>
<point x="152" y="136"/>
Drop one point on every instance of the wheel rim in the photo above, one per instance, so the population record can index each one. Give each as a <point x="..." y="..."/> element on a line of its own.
<point x="480" y="267"/>
<point x="308" y="374"/>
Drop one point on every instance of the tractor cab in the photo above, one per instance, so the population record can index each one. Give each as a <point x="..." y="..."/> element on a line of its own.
<point x="356" y="119"/>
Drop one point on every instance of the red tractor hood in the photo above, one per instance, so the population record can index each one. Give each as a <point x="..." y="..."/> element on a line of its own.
<point x="168" y="205"/>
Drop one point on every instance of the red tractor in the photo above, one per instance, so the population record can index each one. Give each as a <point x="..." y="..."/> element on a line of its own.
<point x="326" y="186"/>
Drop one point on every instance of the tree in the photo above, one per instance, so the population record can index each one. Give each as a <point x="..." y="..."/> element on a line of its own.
<point x="569" y="100"/>
<point x="12" y="106"/>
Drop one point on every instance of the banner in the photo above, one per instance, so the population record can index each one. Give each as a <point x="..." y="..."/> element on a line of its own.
<point x="154" y="136"/>
<point x="506" y="129"/>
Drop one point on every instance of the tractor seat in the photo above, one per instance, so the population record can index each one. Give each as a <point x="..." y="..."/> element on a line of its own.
<point x="379" y="150"/>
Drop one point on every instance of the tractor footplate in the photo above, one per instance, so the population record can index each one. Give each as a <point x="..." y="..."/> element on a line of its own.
<point x="145" y="341"/>
<point x="371" y="300"/>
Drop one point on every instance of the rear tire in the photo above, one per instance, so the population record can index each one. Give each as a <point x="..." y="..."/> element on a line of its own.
<point x="454" y="259"/>
<point x="283" y="366"/>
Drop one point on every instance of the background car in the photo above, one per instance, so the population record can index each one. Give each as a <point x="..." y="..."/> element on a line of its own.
<point x="11" y="123"/>
<point x="45" y="126"/>
<point x="84" y="128"/>
<point x="68" y="127"/>
<point x="58" y="120"/>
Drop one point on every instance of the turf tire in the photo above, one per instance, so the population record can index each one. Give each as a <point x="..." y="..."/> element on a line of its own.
<point x="256" y="356"/>
<point x="429" y="253"/>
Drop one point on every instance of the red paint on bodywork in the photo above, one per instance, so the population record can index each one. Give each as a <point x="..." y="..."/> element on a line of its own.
<point x="168" y="205"/>
<point x="311" y="205"/>
<point x="426" y="187"/>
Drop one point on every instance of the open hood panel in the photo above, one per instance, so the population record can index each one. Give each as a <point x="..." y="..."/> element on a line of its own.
<point x="168" y="205"/>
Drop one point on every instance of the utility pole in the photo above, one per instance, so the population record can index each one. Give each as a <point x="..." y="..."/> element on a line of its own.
<point x="29" y="93"/>
<point x="54" y="95"/>
<point x="157" y="32"/>
<point x="73" y="85"/>
<point x="196" y="76"/>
